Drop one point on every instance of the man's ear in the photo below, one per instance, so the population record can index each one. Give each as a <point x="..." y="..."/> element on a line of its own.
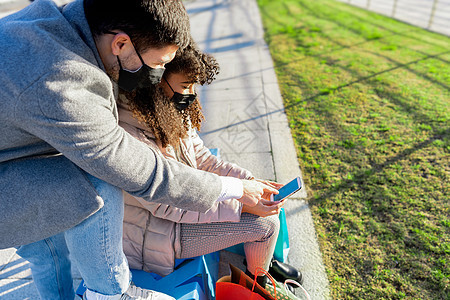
<point x="119" y="43"/>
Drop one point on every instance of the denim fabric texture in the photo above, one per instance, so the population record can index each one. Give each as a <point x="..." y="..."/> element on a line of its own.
<point x="95" y="247"/>
<point x="50" y="266"/>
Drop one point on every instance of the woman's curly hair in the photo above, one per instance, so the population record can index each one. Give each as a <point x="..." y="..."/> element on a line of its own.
<point x="153" y="108"/>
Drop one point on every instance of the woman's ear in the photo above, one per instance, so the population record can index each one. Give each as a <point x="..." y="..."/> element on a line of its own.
<point x="120" y="43"/>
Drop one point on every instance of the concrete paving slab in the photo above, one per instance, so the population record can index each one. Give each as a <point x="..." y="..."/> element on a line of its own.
<point x="300" y="254"/>
<point x="23" y="289"/>
<point x="274" y="104"/>
<point x="304" y="249"/>
<point x="244" y="62"/>
<point x="239" y="139"/>
<point x="14" y="289"/>
<point x="17" y="268"/>
<point x="236" y="115"/>
<point x="5" y="257"/>
<point x="267" y="66"/>
<point x="227" y="258"/>
<point x="218" y="13"/>
<point x="238" y="82"/>
<point x="260" y="163"/>
<point x="16" y="281"/>
<point x="228" y="95"/>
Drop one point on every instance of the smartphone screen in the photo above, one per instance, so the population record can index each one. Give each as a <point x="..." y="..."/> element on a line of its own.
<point x="288" y="189"/>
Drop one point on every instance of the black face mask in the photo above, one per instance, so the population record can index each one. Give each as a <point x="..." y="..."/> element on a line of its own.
<point x="182" y="101"/>
<point x="144" y="77"/>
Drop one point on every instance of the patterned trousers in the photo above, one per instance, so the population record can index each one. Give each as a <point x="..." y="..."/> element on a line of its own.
<point x="258" y="234"/>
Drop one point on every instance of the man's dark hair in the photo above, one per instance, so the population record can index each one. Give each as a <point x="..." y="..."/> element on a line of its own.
<point x="149" y="23"/>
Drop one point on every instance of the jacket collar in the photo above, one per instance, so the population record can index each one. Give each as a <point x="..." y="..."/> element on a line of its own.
<point x="75" y="15"/>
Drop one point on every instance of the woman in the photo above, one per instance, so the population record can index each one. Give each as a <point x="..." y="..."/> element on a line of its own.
<point x="166" y="118"/>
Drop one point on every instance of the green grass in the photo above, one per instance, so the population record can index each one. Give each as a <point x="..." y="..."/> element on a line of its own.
<point x="368" y="101"/>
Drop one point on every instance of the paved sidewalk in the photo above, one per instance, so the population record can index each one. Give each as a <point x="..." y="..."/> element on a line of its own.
<point x="246" y="120"/>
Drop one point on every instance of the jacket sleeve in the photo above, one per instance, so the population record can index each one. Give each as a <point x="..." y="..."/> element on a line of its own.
<point x="224" y="211"/>
<point x="74" y="111"/>
<point x="211" y="163"/>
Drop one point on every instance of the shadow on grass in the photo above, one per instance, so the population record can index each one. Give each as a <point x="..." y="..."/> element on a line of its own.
<point x="361" y="177"/>
<point x="424" y="76"/>
<point x="357" y="32"/>
<point x="365" y="21"/>
<point x="341" y="134"/>
<point x="327" y="92"/>
<point x="342" y="46"/>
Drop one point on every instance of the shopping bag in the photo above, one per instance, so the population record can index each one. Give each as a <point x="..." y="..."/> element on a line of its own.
<point x="226" y="290"/>
<point x="282" y="292"/>
<point x="282" y="246"/>
<point x="273" y="290"/>
<point x="293" y="282"/>
<point x="239" y="277"/>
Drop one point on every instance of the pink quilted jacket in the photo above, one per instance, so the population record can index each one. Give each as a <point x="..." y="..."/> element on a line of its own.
<point x="151" y="233"/>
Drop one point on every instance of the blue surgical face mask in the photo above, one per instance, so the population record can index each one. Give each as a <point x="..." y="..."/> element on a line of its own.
<point x="182" y="101"/>
<point x="144" y="77"/>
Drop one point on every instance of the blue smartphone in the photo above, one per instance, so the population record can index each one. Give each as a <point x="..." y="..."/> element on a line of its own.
<point x="287" y="190"/>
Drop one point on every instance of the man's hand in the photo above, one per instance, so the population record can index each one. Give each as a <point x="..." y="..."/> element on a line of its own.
<point x="264" y="208"/>
<point x="254" y="191"/>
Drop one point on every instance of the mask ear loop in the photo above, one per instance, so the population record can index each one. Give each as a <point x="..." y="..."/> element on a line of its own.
<point x="168" y="84"/>
<point x="170" y="87"/>
<point x="120" y="64"/>
<point x="135" y="50"/>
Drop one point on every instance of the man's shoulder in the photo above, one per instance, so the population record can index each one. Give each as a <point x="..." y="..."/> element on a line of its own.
<point x="40" y="40"/>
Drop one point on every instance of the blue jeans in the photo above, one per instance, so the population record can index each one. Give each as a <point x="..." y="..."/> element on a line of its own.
<point x="95" y="246"/>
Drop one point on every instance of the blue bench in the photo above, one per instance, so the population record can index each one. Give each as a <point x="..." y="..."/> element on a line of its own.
<point x="215" y="152"/>
<point x="193" y="279"/>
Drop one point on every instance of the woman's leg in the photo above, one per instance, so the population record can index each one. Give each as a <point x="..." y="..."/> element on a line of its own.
<point x="258" y="234"/>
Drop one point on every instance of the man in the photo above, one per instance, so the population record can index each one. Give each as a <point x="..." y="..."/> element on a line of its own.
<point x="63" y="158"/>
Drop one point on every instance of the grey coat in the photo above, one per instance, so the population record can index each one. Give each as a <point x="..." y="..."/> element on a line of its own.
<point x="56" y="98"/>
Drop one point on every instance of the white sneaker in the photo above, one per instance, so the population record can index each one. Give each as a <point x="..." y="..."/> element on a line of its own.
<point x="137" y="293"/>
<point x="133" y="293"/>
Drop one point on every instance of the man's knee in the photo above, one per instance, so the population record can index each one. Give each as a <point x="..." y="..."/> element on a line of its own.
<point x="112" y="196"/>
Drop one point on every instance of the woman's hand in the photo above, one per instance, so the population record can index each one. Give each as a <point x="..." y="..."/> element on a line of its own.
<point x="264" y="208"/>
<point x="254" y="191"/>
<point x="273" y="184"/>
